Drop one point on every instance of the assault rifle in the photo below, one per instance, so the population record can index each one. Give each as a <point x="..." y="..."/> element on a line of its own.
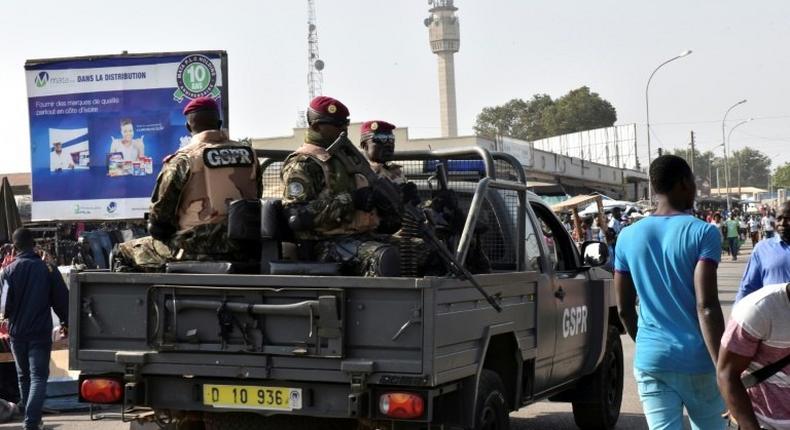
<point x="356" y="163"/>
<point x="387" y="195"/>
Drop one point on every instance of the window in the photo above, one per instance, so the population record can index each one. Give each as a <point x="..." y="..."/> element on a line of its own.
<point x="558" y="242"/>
<point x="531" y="247"/>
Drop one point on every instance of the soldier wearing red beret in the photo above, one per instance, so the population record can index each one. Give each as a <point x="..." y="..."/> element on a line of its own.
<point x="330" y="210"/>
<point x="189" y="206"/>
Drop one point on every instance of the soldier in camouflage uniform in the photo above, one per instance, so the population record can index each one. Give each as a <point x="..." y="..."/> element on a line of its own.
<point x="332" y="212"/>
<point x="189" y="205"/>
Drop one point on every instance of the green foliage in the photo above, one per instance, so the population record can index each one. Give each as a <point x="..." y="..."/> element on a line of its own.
<point x="754" y="168"/>
<point x="704" y="163"/>
<point x="781" y="176"/>
<point x="542" y="117"/>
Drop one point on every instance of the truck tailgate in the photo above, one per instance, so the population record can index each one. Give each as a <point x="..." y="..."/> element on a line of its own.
<point x="297" y="328"/>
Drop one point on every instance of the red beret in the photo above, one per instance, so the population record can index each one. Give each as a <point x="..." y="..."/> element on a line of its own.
<point x="201" y="103"/>
<point x="327" y="109"/>
<point x="369" y="128"/>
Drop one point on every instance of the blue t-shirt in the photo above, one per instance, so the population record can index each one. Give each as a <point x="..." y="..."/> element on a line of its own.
<point x="769" y="264"/>
<point x="661" y="253"/>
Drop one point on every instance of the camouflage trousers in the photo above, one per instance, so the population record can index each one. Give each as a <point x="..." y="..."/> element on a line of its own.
<point x="360" y="255"/>
<point x="145" y="254"/>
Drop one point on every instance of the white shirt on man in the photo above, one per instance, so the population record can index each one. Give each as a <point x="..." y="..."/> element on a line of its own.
<point x="60" y="161"/>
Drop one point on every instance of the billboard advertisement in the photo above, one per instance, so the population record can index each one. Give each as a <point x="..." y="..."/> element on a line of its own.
<point x="101" y="126"/>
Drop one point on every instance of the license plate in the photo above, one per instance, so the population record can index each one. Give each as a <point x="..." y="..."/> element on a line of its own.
<point x="252" y="397"/>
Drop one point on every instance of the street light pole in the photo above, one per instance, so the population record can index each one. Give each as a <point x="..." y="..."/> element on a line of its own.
<point x="726" y="162"/>
<point x="729" y="136"/>
<point x="647" y="114"/>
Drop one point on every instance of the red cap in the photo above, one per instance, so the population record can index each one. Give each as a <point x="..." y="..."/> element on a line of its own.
<point x="369" y="128"/>
<point x="201" y="103"/>
<point x="327" y="109"/>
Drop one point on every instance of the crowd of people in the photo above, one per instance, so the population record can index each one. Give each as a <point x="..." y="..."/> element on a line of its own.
<point x="733" y="375"/>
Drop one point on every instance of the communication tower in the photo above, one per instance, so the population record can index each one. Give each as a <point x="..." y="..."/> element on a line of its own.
<point x="445" y="37"/>
<point x="315" y="64"/>
<point x="315" y="79"/>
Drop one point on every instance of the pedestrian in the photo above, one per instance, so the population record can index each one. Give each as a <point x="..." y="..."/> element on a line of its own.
<point x="742" y="227"/>
<point x="34" y="290"/>
<point x="668" y="261"/>
<point x="754" y="230"/>
<point x="770" y="259"/>
<point x="720" y="227"/>
<point x="769" y="222"/>
<point x="731" y="228"/>
<point x="758" y="337"/>
<point x="616" y="223"/>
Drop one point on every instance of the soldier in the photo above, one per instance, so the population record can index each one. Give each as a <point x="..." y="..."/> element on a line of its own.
<point x="332" y="212"/>
<point x="189" y="205"/>
<point x="378" y="142"/>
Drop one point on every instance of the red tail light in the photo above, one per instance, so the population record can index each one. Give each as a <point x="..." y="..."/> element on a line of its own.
<point x="101" y="390"/>
<point x="401" y="405"/>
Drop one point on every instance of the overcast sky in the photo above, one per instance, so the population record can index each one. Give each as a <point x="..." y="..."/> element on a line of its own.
<point x="379" y="63"/>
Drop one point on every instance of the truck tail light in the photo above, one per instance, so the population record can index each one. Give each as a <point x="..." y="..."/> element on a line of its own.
<point x="101" y="390"/>
<point x="402" y="405"/>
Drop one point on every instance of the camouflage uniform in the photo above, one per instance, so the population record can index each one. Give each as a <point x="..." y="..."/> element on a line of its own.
<point x="320" y="185"/>
<point x="191" y="196"/>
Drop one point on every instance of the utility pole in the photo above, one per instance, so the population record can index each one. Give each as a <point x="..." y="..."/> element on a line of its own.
<point x="738" y="158"/>
<point x="693" y="152"/>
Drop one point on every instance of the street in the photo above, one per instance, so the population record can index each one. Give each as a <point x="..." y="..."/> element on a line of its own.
<point x="542" y="415"/>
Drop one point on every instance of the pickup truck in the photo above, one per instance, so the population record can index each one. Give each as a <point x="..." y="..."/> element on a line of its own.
<point x="218" y="349"/>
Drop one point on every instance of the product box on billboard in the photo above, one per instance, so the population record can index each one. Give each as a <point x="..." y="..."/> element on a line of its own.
<point x="100" y="127"/>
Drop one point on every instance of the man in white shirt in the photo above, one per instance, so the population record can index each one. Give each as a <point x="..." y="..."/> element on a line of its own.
<point x="768" y="225"/>
<point x="615" y="223"/>
<point x="59" y="160"/>
<point x="754" y="230"/>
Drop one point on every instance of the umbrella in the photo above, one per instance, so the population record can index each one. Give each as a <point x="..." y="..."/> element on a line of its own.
<point x="9" y="213"/>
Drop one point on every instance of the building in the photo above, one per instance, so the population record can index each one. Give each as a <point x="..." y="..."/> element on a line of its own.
<point x="546" y="171"/>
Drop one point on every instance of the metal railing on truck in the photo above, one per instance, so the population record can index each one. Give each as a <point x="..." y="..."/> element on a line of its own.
<point x="497" y="171"/>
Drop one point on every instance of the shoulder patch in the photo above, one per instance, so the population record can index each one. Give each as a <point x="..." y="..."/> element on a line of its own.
<point x="228" y="156"/>
<point x="295" y="189"/>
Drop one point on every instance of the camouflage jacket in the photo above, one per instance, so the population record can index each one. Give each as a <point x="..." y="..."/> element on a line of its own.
<point x="322" y="186"/>
<point x="166" y="200"/>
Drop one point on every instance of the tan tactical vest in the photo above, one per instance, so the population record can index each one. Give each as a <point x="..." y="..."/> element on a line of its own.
<point x="391" y="171"/>
<point x="220" y="171"/>
<point x="362" y="222"/>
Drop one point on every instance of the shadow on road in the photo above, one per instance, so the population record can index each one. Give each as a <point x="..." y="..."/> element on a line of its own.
<point x="564" y="420"/>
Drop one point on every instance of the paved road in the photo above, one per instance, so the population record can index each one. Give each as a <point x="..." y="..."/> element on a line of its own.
<point x="544" y="415"/>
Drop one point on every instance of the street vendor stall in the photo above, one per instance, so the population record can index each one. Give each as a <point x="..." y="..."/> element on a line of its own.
<point x="573" y="205"/>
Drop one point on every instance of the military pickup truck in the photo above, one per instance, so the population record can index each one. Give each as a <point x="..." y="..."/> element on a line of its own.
<point x="210" y="347"/>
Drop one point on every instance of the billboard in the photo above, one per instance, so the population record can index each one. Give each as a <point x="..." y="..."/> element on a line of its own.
<point x="612" y="146"/>
<point x="101" y="126"/>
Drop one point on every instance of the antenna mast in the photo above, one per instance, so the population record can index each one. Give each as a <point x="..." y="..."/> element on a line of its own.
<point x="315" y="65"/>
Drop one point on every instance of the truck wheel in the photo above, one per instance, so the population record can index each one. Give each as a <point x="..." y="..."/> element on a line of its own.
<point x="491" y="410"/>
<point x="600" y="395"/>
<point x="232" y="421"/>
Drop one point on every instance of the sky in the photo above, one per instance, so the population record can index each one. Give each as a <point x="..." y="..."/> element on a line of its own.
<point x="378" y="61"/>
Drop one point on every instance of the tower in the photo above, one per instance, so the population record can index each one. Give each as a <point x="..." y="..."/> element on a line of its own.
<point x="445" y="36"/>
<point x="315" y="65"/>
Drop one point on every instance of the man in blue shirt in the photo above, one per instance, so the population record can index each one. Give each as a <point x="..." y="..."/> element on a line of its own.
<point x="34" y="290"/>
<point x="669" y="261"/>
<point x="770" y="260"/>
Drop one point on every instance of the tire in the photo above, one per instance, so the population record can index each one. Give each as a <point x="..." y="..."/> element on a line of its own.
<point x="491" y="407"/>
<point x="600" y="395"/>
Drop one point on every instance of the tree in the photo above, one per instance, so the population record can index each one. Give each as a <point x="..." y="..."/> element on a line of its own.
<point x="754" y="168"/>
<point x="704" y="163"/>
<point x="781" y="177"/>
<point x="542" y="117"/>
<point x="579" y="110"/>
